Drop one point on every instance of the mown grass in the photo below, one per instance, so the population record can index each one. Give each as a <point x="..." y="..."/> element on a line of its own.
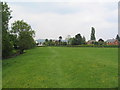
<point x="62" y="67"/>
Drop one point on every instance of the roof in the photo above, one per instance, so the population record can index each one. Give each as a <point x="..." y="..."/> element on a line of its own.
<point x="111" y="40"/>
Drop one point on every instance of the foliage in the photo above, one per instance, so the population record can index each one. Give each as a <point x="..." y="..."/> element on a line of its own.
<point x="54" y="43"/>
<point x="118" y="38"/>
<point x="6" y="43"/>
<point x="18" y="37"/>
<point x="14" y="40"/>
<point x="83" y="40"/>
<point x="6" y="16"/>
<point x="60" y="38"/>
<point x="77" y="40"/>
<point x="68" y="39"/>
<point x="46" y="40"/>
<point x="64" y="43"/>
<point x="95" y="43"/>
<point x="74" y="41"/>
<point x="101" y="42"/>
<point x="92" y="45"/>
<point x="93" y="34"/>
<point x="25" y="41"/>
<point x="21" y="26"/>
<point x="24" y="33"/>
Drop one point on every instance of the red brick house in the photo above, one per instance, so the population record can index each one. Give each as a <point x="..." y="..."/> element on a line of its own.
<point x="112" y="42"/>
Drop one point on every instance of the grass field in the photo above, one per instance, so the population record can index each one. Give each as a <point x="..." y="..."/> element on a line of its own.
<point x="62" y="67"/>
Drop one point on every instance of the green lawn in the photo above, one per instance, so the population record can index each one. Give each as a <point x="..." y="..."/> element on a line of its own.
<point x="62" y="67"/>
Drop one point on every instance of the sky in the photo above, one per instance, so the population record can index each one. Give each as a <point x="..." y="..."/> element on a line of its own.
<point x="53" y="19"/>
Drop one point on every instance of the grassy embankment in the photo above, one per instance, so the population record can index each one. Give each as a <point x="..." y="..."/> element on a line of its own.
<point x="62" y="67"/>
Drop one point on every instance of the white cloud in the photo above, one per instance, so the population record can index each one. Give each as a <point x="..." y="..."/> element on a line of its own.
<point x="53" y="24"/>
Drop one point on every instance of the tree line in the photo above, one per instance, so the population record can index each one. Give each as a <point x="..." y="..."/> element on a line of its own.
<point x="18" y="37"/>
<point x="77" y="40"/>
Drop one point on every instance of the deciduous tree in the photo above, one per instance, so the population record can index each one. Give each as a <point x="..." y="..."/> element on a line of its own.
<point x="24" y="33"/>
<point x="6" y="44"/>
<point x="78" y="38"/>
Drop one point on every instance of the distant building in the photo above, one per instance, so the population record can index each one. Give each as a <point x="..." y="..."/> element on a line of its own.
<point x="112" y="42"/>
<point x="90" y="42"/>
<point x="38" y="43"/>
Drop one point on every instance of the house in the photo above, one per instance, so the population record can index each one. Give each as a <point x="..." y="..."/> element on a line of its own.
<point x="112" y="42"/>
<point x="91" y="42"/>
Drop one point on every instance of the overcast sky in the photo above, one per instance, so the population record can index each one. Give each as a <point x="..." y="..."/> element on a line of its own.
<point x="53" y="19"/>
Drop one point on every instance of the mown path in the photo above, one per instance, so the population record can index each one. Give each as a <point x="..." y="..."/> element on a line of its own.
<point x="62" y="67"/>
